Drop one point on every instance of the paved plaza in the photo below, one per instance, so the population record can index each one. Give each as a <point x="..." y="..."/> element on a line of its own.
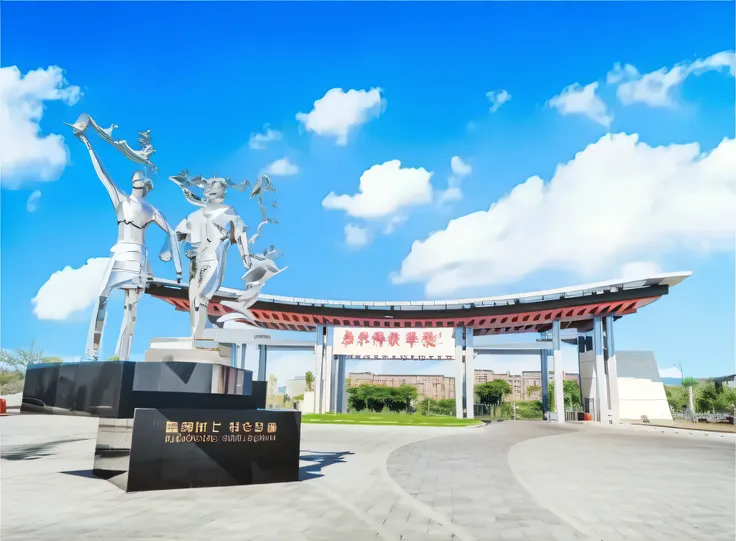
<point x="521" y="480"/>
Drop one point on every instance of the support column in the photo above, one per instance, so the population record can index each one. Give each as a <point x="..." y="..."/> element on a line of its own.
<point x="334" y="383"/>
<point x="262" y="362"/>
<point x="544" y="354"/>
<point x="341" y="402"/>
<point x="612" y="373"/>
<point x="319" y="361"/>
<point x="328" y="371"/>
<point x="459" y="372"/>
<point x="469" y="375"/>
<point x="559" y="385"/>
<point x="601" y="395"/>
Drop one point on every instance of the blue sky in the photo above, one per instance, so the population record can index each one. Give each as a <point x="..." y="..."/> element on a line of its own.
<point x="205" y="77"/>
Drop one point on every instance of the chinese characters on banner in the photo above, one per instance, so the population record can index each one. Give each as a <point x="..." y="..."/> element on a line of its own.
<point x="416" y="344"/>
<point x="214" y="432"/>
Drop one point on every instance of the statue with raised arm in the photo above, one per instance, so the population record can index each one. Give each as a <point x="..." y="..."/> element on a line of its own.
<point x="210" y="231"/>
<point x="129" y="268"/>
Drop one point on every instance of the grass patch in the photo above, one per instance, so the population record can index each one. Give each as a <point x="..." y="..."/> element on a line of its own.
<point x="386" y="419"/>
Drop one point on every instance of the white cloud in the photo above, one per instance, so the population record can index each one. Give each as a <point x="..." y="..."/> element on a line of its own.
<point x="338" y="112"/>
<point x="259" y="141"/>
<point x="33" y="199"/>
<point x="25" y="153"/>
<point x="356" y="236"/>
<point x="70" y="290"/>
<point x="497" y="99"/>
<point x="616" y="201"/>
<point x="460" y="169"/>
<point x="384" y="189"/>
<point x="576" y="99"/>
<point x="452" y="193"/>
<point x="282" y="168"/>
<point x="393" y="223"/>
<point x="655" y="88"/>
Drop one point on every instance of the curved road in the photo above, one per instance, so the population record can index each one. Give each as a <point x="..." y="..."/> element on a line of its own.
<point x="522" y="480"/>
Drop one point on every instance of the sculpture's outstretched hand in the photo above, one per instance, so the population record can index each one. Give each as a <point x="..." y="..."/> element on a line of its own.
<point x="80" y="126"/>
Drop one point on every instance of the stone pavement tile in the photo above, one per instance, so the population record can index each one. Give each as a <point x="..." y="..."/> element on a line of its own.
<point x="427" y="537"/>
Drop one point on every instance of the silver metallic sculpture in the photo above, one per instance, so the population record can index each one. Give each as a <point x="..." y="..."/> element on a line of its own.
<point x="210" y="231"/>
<point x="129" y="268"/>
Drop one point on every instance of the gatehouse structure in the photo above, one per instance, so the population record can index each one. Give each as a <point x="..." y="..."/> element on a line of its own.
<point x="584" y="315"/>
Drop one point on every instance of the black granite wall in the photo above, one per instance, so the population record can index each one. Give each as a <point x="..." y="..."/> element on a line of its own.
<point x="114" y="389"/>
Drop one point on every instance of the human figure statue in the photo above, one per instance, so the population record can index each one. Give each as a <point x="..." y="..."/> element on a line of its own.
<point x="129" y="268"/>
<point x="210" y="231"/>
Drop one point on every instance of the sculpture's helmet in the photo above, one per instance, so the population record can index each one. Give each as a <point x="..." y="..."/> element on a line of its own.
<point x="142" y="182"/>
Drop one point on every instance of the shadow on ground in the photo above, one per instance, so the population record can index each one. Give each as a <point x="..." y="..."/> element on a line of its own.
<point x="319" y="461"/>
<point x="33" y="452"/>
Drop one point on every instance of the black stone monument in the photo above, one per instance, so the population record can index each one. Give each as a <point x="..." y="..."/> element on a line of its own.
<point x="172" y="424"/>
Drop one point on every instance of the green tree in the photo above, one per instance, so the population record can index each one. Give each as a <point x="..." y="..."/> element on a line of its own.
<point x="13" y="365"/>
<point x="570" y="393"/>
<point x="309" y="381"/>
<point x="706" y="396"/>
<point x="379" y="397"/>
<point x="725" y="401"/>
<point x="18" y="360"/>
<point x="402" y="398"/>
<point x="532" y="390"/>
<point x="689" y="382"/>
<point x="677" y="397"/>
<point x="113" y="358"/>
<point x="491" y="394"/>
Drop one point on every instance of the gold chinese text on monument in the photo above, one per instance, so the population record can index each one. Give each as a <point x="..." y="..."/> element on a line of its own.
<point x="219" y="432"/>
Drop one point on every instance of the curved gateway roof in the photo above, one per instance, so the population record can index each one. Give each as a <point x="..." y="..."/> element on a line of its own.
<point x="574" y="306"/>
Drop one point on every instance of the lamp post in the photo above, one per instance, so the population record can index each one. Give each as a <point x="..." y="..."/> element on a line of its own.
<point x="689" y="392"/>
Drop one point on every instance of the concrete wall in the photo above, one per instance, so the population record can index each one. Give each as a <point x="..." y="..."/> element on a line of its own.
<point x="307" y="405"/>
<point x="587" y="374"/>
<point x="640" y="388"/>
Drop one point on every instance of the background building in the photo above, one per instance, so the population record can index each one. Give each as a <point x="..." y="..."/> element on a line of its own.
<point x="524" y="386"/>
<point x="296" y="386"/>
<point x="435" y="387"/>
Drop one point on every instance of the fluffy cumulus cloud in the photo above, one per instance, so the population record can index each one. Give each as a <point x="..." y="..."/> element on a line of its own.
<point x="460" y="169"/>
<point x="618" y="201"/>
<point x="338" y="112"/>
<point x="576" y="99"/>
<point x="69" y="290"/>
<point x="25" y="154"/>
<point x="656" y="88"/>
<point x="356" y="236"/>
<point x="259" y="141"/>
<point x="33" y="199"/>
<point x="282" y="168"/>
<point x="384" y="190"/>
<point x="497" y="99"/>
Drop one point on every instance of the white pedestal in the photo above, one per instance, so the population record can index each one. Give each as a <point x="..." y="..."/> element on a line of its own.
<point x="188" y="350"/>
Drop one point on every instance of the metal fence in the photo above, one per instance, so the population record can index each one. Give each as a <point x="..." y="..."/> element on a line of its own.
<point x="702" y="417"/>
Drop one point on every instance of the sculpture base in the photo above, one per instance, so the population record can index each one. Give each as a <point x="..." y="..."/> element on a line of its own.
<point x="114" y="389"/>
<point x="188" y="350"/>
<point x="166" y="449"/>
